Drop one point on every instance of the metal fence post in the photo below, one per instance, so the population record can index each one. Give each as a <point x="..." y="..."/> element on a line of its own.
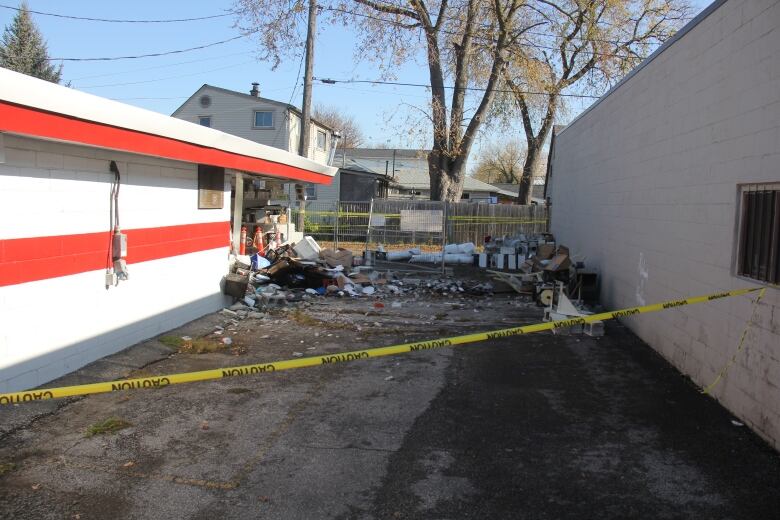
<point x="443" y="236"/>
<point x="336" y="225"/>
<point x="288" y="213"/>
<point x="368" y="227"/>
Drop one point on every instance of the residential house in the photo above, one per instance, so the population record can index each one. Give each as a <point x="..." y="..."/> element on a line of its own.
<point x="76" y="168"/>
<point x="258" y="119"/>
<point x="669" y="185"/>
<point x="354" y="182"/>
<point x="407" y="176"/>
<point x="537" y="191"/>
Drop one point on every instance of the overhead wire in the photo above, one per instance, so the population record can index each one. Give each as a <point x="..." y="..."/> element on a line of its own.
<point x="154" y="54"/>
<point x="113" y="20"/>
<point x="522" y="44"/>
<point x="124" y="84"/>
<point x="334" y="9"/>
<point x="329" y="81"/>
<point x="165" y="66"/>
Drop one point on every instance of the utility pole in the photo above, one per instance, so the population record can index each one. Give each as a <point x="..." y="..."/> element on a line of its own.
<point x="303" y="147"/>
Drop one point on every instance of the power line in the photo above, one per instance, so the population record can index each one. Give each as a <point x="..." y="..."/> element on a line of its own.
<point x="167" y="77"/>
<point x="112" y="20"/>
<point x="292" y="95"/>
<point x="168" y="65"/>
<point x="329" y="81"/>
<point x="484" y="38"/>
<point x="334" y="9"/>
<point x="155" y="54"/>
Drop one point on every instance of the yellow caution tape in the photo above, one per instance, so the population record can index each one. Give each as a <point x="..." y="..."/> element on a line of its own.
<point x="498" y="220"/>
<point x="344" y="213"/>
<point x="708" y="389"/>
<point x="276" y="366"/>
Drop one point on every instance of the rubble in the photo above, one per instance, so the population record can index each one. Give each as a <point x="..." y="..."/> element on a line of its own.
<point x="286" y="277"/>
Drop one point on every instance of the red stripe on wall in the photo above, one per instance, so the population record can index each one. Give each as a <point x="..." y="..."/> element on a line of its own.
<point x="28" y="121"/>
<point x="30" y="259"/>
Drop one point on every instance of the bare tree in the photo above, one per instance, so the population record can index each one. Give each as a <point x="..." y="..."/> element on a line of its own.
<point x="394" y="31"/>
<point x="585" y="45"/>
<point x="345" y="124"/>
<point x="501" y="162"/>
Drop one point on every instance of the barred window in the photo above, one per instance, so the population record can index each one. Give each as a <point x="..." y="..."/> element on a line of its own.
<point x="758" y="256"/>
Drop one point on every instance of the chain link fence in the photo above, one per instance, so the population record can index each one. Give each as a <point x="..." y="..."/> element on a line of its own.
<point x="403" y="224"/>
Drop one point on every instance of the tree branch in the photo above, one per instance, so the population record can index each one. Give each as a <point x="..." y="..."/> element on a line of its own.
<point x="389" y="9"/>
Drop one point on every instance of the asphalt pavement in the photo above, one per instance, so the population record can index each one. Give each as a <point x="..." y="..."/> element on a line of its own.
<point x="538" y="426"/>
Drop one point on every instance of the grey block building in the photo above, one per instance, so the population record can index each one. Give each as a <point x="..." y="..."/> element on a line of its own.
<point x="670" y="186"/>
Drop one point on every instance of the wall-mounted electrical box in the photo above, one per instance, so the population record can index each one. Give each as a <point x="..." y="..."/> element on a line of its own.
<point x="119" y="245"/>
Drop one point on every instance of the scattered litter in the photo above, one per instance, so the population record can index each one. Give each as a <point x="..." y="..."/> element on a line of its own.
<point x="737" y="423"/>
<point x="297" y="354"/>
<point x="389" y="378"/>
<point x="227" y="341"/>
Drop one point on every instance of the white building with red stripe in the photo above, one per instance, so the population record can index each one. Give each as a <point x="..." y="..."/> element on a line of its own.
<point x="56" y="147"/>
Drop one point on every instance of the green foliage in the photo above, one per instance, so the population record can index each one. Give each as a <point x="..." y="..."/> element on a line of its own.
<point x="23" y="49"/>
<point x="110" y="425"/>
<point x="171" y="341"/>
<point x="310" y="226"/>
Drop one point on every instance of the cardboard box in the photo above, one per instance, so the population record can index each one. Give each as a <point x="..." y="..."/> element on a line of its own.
<point x="545" y="251"/>
<point x="559" y="262"/>
<point x="335" y="257"/>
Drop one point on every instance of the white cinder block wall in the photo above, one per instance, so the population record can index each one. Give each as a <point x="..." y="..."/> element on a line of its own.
<point x="644" y="186"/>
<point x="54" y="325"/>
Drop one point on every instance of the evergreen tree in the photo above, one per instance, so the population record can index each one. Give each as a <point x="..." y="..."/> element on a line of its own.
<point x="23" y="48"/>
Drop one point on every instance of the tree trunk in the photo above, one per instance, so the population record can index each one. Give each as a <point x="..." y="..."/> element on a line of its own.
<point x="446" y="177"/>
<point x="529" y="168"/>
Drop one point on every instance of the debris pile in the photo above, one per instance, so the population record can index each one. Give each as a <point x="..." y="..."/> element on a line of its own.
<point x="540" y="268"/>
<point x="298" y="272"/>
<point x="534" y="267"/>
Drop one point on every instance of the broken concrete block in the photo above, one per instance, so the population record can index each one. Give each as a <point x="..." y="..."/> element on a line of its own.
<point x="594" y="329"/>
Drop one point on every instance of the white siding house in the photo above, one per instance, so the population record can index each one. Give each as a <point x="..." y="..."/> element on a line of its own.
<point x="670" y="186"/>
<point x="258" y="119"/>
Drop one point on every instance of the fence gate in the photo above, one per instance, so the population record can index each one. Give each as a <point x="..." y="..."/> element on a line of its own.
<point x="404" y="224"/>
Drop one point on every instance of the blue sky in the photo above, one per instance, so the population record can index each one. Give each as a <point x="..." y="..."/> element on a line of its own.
<point x="163" y="83"/>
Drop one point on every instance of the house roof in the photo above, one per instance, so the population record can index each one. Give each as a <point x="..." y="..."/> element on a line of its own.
<point x="250" y="97"/>
<point x="537" y="189"/>
<point x="418" y="179"/>
<point x="38" y="108"/>
<point x="352" y="166"/>
<point x="411" y="169"/>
